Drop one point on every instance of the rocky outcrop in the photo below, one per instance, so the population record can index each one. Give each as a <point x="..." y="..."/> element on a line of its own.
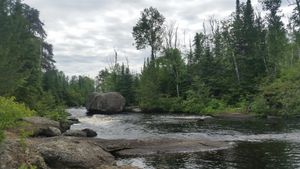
<point x="93" y="153"/>
<point x="41" y="122"/>
<point x="66" y="152"/>
<point x="13" y="154"/>
<point x="112" y="102"/>
<point x="42" y="127"/>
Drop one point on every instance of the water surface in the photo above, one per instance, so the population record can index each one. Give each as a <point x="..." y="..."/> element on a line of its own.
<point x="258" y="143"/>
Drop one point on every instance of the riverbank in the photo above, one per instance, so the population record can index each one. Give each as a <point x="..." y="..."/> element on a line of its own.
<point x="25" y="146"/>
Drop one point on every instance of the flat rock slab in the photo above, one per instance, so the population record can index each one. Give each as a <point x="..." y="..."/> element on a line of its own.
<point x="174" y="147"/>
<point x="78" y="152"/>
<point x="138" y="148"/>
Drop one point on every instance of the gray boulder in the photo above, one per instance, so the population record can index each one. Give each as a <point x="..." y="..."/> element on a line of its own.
<point x="71" y="153"/>
<point x="40" y="126"/>
<point x="41" y="121"/>
<point x="49" y="132"/>
<point x="112" y="102"/>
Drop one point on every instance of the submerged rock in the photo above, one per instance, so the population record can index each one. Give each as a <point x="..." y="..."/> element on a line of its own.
<point x="112" y="102"/>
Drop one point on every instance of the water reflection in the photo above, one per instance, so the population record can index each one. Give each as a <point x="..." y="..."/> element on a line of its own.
<point x="246" y="155"/>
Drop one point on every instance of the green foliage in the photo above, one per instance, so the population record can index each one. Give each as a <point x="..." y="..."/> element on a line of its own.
<point x="1" y="135"/>
<point x="149" y="30"/>
<point x="118" y="78"/>
<point x="77" y="90"/>
<point x="48" y="107"/>
<point x="27" y="166"/>
<point x="281" y="97"/>
<point x="260" y="106"/>
<point x="194" y="103"/>
<point x="167" y="104"/>
<point x="11" y="112"/>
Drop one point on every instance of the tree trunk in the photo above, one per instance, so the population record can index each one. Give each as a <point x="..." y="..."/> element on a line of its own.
<point x="236" y="68"/>
<point x="177" y="89"/>
<point x="152" y="54"/>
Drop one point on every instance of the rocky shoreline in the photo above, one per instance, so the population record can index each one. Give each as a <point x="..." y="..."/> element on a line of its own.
<point x="51" y="145"/>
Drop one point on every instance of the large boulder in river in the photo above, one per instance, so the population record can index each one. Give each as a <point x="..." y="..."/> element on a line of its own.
<point x="111" y="102"/>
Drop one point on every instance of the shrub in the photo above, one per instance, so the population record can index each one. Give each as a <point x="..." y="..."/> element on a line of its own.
<point x="11" y="112"/>
<point x="214" y="106"/>
<point x="170" y="104"/>
<point x="281" y="97"/>
<point x="47" y="107"/>
<point x="1" y="135"/>
<point x="193" y="103"/>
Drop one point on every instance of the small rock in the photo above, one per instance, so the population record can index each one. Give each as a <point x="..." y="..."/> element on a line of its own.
<point x="75" y="133"/>
<point x="90" y="132"/>
<point x="73" y="120"/>
<point x="49" y="132"/>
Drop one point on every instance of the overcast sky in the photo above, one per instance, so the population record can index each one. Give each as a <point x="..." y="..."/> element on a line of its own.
<point x="84" y="33"/>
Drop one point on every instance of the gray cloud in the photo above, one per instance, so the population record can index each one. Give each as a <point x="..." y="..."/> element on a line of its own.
<point x="85" y="32"/>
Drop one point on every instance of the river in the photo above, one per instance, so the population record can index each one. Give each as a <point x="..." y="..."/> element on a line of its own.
<point x="257" y="143"/>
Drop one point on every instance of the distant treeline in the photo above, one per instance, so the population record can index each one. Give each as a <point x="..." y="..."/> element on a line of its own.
<point x="27" y="70"/>
<point x="246" y="63"/>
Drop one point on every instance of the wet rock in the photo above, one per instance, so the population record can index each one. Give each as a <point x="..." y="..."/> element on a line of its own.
<point x="81" y="133"/>
<point x="70" y="153"/>
<point x="108" y="103"/>
<point x="75" y="133"/>
<point x="169" y="147"/>
<point x="138" y="148"/>
<point x="90" y="132"/>
<point x="66" y="125"/>
<point x="236" y="116"/>
<point x="118" y="167"/>
<point x="133" y="109"/>
<point x="73" y="120"/>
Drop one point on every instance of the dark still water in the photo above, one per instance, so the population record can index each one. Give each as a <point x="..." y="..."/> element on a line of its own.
<point x="258" y="144"/>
